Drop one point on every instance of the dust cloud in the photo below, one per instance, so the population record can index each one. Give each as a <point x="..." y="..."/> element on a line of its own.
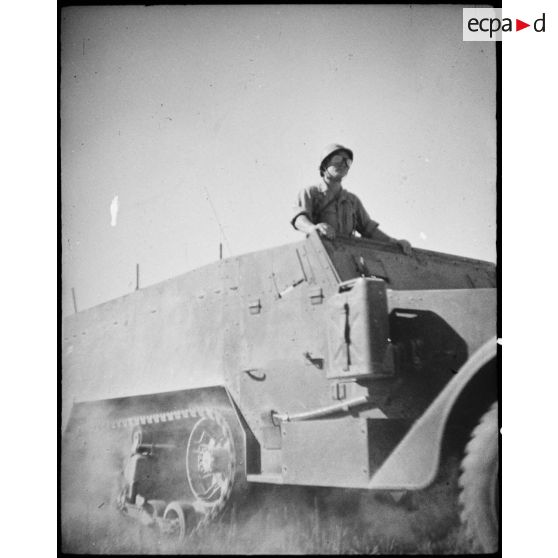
<point x="269" y="519"/>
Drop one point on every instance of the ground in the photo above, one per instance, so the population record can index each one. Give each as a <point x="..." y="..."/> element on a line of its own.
<point x="271" y="520"/>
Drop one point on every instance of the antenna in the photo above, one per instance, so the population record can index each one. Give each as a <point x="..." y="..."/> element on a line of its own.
<point x="222" y="232"/>
<point x="74" y="299"/>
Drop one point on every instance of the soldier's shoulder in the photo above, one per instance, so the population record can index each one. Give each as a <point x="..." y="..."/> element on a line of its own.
<point x="350" y="196"/>
<point x="312" y="188"/>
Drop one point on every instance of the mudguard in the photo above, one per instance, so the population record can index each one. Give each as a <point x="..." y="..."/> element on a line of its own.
<point x="414" y="462"/>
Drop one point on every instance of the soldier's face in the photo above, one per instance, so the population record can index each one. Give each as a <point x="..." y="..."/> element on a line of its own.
<point x="338" y="165"/>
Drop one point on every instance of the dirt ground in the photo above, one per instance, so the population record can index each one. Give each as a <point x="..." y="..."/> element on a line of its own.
<point x="270" y="520"/>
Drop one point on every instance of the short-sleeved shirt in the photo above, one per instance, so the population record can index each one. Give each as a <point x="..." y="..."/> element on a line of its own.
<point x="343" y="210"/>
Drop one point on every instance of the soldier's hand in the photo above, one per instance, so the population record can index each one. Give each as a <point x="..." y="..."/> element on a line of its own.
<point x="325" y="230"/>
<point x="405" y="246"/>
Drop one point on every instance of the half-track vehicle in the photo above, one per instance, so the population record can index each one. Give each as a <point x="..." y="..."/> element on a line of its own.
<point x="322" y="363"/>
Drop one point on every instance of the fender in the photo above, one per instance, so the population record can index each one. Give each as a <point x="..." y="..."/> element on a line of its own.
<point x="414" y="462"/>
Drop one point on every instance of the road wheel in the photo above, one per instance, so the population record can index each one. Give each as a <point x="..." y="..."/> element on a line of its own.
<point x="156" y="508"/>
<point x="479" y="485"/>
<point x="213" y="463"/>
<point x="180" y="519"/>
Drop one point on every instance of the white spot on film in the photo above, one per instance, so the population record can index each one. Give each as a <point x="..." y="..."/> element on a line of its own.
<point x="113" y="211"/>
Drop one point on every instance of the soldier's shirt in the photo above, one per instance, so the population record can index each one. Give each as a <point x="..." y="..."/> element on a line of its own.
<point x="341" y="209"/>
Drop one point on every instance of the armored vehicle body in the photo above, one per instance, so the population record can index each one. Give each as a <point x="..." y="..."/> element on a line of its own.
<point x="325" y="363"/>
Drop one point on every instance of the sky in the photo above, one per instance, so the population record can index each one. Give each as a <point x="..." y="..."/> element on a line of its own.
<point x="189" y="126"/>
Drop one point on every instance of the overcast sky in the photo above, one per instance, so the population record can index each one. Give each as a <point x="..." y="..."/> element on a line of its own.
<point x="171" y="116"/>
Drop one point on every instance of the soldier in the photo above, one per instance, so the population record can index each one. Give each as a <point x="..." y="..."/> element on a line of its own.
<point x="329" y="209"/>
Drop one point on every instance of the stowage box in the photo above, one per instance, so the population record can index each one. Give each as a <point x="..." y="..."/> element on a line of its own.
<point x="358" y="330"/>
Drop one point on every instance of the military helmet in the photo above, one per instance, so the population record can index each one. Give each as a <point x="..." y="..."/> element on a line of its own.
<point x="330" y="150"/>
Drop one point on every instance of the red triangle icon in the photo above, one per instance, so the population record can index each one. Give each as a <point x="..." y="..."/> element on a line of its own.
<point x="519" y="25"/>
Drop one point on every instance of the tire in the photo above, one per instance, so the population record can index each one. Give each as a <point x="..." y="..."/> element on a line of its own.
<point x="479" y="497"/>
<point x="181" y="520"/>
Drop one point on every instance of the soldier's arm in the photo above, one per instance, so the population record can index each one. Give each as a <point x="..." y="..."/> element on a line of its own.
<point x="374" y="232"/>
<point x="302" y="211"/>
<point x="370" y="229"/>
<point x="303" y="224"/>
<point x="405" y="245"/>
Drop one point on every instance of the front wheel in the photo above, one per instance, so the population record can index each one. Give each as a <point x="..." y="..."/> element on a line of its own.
<point x="479" y="485"/>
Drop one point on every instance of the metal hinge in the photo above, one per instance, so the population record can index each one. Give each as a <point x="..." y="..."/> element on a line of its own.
<point x="316" y="296"/>
<point x="338" y="391"/>
<point x="255" y="306"/>
<point x="317" y="362"/>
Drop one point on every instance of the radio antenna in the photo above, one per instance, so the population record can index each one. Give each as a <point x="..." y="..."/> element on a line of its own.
<point x="221" y="230"/>
<point x="74" y="300"/>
